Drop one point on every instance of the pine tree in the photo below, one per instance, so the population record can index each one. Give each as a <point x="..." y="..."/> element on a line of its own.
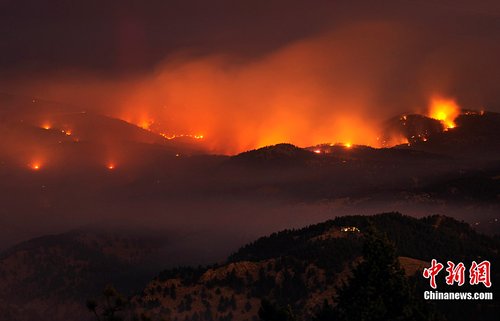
<point x="378" y="288"/>
<point x="248" y="306"/>
<point x="271" y="312"/>
<point x="173" y="292"/>
<point x="326" y="313"/>
<point x="110" y="310"/>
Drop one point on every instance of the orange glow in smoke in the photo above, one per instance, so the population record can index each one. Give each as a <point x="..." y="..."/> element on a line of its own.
<point x="149" y="124"/>
<point x="444" y="110"/>
<point x="46" y="126"/>
<point x="35" y="166"/>
<point x="145" y="124"/>
<point x="319" y="89"/>
<point x="353" y="129"/>
<point x="110" y="166"/>
<point x="235" y="107"/>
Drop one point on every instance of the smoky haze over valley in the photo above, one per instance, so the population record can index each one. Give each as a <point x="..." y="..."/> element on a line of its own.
<point x="139" y="139"/>
<point x="91" y="89"/>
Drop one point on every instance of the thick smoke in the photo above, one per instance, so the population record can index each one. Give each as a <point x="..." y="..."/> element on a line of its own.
<point x="337" y="82"/>
<point x="335" y="87"/>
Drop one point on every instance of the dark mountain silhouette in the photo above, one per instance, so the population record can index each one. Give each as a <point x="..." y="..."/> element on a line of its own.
<point x="100" y="169"/>
<point x="476" y="136"/>
<point x="50" y="276"/>
<point x="413" y="127"/>
<point x="302" y="268"/>
<point x="276" y="155"/>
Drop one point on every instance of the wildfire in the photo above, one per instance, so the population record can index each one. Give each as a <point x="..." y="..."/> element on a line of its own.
<point x="444" y="110"/>
<point x="48" y="125"/>
<point x="347" y="145"/>
<point x="35" y="166"/>
<point x="146" y="124"/>
<point x="110" y="166"/>
<point x="173" y="136"/>
<point x="151" y="126"/>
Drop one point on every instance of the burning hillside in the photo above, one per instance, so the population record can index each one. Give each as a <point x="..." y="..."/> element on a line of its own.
<point x="409" y="128"/>
<point x="444" y="110"/>
<point x="55" y="134"/>
<point x="334" y="87"/>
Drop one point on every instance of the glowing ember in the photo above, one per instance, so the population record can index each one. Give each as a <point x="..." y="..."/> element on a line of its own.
<point x="146" y="124"/>
<point x="110" y="166"/>
<point x="444" y="110"/>
<point x="35" y="166"/>
<point x="173" y="136"/>
<point x="317" y="151"/>
<point x="46" y="126"/>
<point x="150" y="125"/>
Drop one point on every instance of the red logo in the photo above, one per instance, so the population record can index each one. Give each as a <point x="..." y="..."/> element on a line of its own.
<point x="432" y="272"/>
<point x="455" y="273"/>
<point x="478" y="273"/>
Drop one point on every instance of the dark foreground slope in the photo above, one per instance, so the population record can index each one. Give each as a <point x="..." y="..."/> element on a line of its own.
<point x="49" y="278"/>
<point x="302" y="268"/>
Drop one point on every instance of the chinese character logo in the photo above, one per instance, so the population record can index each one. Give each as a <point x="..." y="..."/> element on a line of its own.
<point x="478" y="273"/>
<point x="432" y="272"/>
<point x="455" y="273"/>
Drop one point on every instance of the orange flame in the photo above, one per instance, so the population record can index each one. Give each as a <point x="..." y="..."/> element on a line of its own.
<point x="444" y="110"/>
<point x="149" y="124"/>
<point x="35" y="166"/>
<point x="145" y="124"/>
<point x="173" y="136"/>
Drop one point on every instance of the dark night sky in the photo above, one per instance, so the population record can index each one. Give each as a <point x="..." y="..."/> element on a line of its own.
<point x="244" y="74"/>
<point x="117" y="36"/>
<point x="104" y="36"/>
<point x="239" y="68"/>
